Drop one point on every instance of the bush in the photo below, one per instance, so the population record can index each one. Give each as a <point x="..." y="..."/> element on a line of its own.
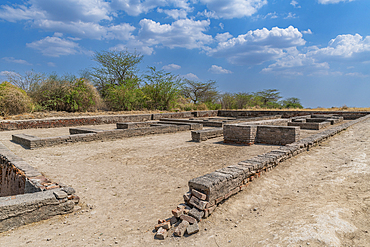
<point x="13" y="100"/>
<point x="124" y="97"/>
<point x="63" y="95"/>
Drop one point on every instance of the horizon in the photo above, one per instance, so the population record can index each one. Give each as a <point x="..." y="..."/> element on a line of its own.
<point x="316" y="50"/>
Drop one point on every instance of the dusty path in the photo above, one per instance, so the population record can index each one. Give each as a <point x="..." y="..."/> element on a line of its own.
<point x="320" y="198"/>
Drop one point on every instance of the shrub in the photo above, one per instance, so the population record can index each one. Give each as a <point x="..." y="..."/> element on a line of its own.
<point x="124" y="97"/>
<point x="64" y="95"/>
<point x="13" y="100"/>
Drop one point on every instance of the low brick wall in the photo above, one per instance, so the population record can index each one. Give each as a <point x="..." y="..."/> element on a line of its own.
<point x="27" y="196"/>
<point x="289" y="114"/>
<point x="207" y="191"/>
<point x="310" y="126"/>
<point x="213" y="113"/>
<point x="204" y="135"/>
<point x="250" y="134"/>
<point x="88" y="135"/>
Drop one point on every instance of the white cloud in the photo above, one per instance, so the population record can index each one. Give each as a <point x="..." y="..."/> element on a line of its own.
<point x="333" y="1"/>
<point x="51" y="64"/>
<point x="290" y="16"/>
<point x="13" y="60"/>
<point x="191" y="76"/>
<point x="307" y="32"/>
<point x="218" y="70"/>
<point x="174" y="13"/>
<point x="171" y="67"/>
<point x="185" y="33"/>
<point x="295" y="4"/>
<point x="136" y="7"/>
<point x="55" y="46"/>
<point x="222" y="37"/>
<point x="357" y="74"/>
<point x="258" y="46"/>
<point x="233" y="8"/>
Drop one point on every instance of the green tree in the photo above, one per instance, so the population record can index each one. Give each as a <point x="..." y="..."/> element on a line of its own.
<point x="200" y="92"/>
<point x="115" y="68"/>
<point x="269" y="98"/>
<point x="291" y="103"/>
<point x="161" y="89"/>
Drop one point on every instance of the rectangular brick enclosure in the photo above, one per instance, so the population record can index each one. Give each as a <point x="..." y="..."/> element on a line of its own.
<point x="250" y="134"/>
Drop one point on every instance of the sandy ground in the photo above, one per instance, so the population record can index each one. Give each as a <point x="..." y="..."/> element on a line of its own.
<point x="319" y="198"/>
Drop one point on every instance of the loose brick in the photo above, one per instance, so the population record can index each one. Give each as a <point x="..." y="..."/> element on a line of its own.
<point x="198" y="203"/>
<point x="164" y="225"/>
<point x="196" y="213"/>
<point x="178" y="212"/>
<point x="161" y="234"/>
<point x="187" y="197"/>
<point x="173" y="220"/>
<point x="198" y="194"/>
<point x="191" y="229"/>
<point x="181" y="228"/>
<point x="188" y="218"/>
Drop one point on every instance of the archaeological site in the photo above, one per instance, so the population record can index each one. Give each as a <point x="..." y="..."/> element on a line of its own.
<point x="207" y="178"/>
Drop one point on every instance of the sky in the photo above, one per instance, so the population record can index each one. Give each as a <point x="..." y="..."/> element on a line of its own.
<point x="315" y="50"/>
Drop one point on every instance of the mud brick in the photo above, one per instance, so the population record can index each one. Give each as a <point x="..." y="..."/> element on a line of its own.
<point x="188" y="218"/>
<point x="164" y="225"/>
<point x="198" y="203"/>
<point x="178" y="212"/>
<point x="233" y="192"/>
<point x="181" y="228"/>
<point x="220" y="199"/>
<point x="196" y="213"/>
<point x="198" y="194"/>
<point x="173" y="220"/>
<point x="60" y="194"/>
<point x="161" y="221"/>
<point x="69" y="190"/>
<point x="191" y="229"/>
<point x="187" y="197"/>
<point x="161" y="233"/>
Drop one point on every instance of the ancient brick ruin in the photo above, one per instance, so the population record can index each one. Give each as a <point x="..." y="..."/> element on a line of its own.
<point x="27" y="196"/>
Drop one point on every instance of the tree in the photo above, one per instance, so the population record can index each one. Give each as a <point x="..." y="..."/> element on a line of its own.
<point x="291" y="103"/>
<point x="200" y="92"/>
<point x="269" y="97"/>
<point x="115" y="68"/>
<point x="27" y="82"/>
<point x="161" y="89"/>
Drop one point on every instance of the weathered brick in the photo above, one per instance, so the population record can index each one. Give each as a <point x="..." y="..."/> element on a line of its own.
<point x="178" y="212"/>
<point x="196" y="213"/>
<point x="191" y="229"/>
<point x="161" y="233"/>
<point x="198" y="203"/>
<point x="187" y="197"/>
<point x="181" y="228"/>
<point x="198" y="194"/>
<point x="188" y="218"/>
<point x="165" y="225"/>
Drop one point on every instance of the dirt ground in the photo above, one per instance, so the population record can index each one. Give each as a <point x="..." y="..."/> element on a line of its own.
<point x="319" y="198"/>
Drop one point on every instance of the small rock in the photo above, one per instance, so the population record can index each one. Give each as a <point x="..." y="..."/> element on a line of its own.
<point x="68" y="190"/>
<point x="48" y="239"/>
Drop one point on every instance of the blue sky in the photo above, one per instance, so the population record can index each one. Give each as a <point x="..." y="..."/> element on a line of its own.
<point x="316" y="50"/>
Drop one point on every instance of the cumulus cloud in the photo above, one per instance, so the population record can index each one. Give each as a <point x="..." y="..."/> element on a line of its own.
<point x="307" y="32"/>
<point x="333" y="1"/>
<point x="174" y="13"/>
<point x="191" y="76"/>
<point x="315" y="61"/>
<point x="55" y="46"/>
<point x="295" y="4"/>
<point x="185" y="33"/>
<point x="233" y="8"/>
<point x="258" y="46"/>
<point x="218" y="70"/>
<point x="13" y="60"/>
<point x="171" y="67"/>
